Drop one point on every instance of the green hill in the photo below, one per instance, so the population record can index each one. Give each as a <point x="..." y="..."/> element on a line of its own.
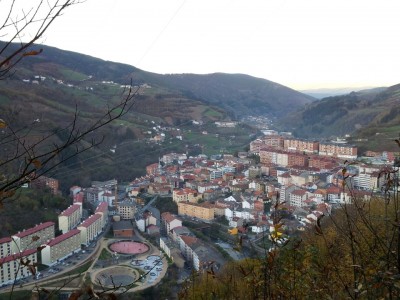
<point x="49" y="88"/>
<point x="371" y="118"/>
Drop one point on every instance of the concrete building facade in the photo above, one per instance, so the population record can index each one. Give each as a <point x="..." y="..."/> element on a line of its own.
<point x="70" y="218"/>
<point x="11" y="268"/>
<point x="61" y="247"/>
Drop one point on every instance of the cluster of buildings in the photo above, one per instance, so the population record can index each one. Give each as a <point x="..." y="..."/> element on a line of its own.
<point x="22" y="247"/>
<point x="281" y="149"/>
<point x="44" y="182"/>
<point x="305" y="176"/>
<point x="180" y="244"/>
<point x="40" y="245"/>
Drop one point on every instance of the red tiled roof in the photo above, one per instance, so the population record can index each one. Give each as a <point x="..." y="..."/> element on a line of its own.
<point x="5" y="240"/>
<point x="299" y="192"/>
<point x="78" y="197"/>
<point x="168" y="217"/>
<point x="34" y="229"/>
<point x="63" y="237"/>
<point x="102" y="207"/>
<point x="17" y="256"/>
<point x="70" y="210"/>
<point x="89" y="221"/>
<point x="333" y="190"/>
<point x="188" y="240"/>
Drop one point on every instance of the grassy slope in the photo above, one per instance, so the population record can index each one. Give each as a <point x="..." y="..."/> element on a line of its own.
<point x="373" y="115"/>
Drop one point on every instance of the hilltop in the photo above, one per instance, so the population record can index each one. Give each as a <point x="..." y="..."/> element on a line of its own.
<point x="368" y="118"/>
<point x="237" y="94"/>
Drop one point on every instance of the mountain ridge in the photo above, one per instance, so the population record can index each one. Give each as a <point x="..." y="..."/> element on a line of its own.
<point x="239" y="94"/>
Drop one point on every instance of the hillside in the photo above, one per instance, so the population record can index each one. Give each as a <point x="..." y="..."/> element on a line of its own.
<point x="238" y="94"/>
<point x="47" y="89"/>
<point x="370" y="117"/>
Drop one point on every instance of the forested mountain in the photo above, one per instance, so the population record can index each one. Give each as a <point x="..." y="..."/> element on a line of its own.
<point x="369" y="115"/>
<point x="238" y="94"/>
<point x="50" y="88"/>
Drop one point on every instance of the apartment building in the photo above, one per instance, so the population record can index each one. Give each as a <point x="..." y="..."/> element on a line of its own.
<point x="11" y="268"/>
<point x="169" y="222"/>
<point x="185" y="242"/>
<point x="61" y="247"/>
<point x="256" y="146"/>
<point x="126" y="209"/>
<point x="109" y="198"/>
<point x="32" y="237"/>
<point x="172" y="250"/>
<point x="214" y="174"/>
<point x="282" y="159"/>
<point x="196" y="252"/>
<point x="90" y="229"/>
<point x="70" y="218"/>
<point x="297" y="159"/>
<point x="268" y="156"/>
<point x="170" y="157"/>
<point x="102" y="209"/>
<point x="322" y="162"/>
<point x="297" y="198"/>
<point x="186" y="195"/>
<point x="253" y="172"/>
<point x="284" y="179"/>
<point x="145" y="220"/>
<point x="273" y="141"/>
<point x="300" y="145"/>
<point x="204" y="211"/>
<point x="44" y="182"/>
<point x="93" y="194"/>
<point x="5" y="247"/>
<point x="269" y="141"/>
<point x="338" y="150"/>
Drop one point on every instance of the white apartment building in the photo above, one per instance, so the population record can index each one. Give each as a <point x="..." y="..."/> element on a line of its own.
<point x="5" y="247"/>
<point x="61" y="247"/>
<point x="70" y="218"/>
<point x="102" y="209"/>
<point x="32" y="237"/>
<point x="169" y="222"/>
<point x="11" y="268"/>
<point x="90" y="229"/>
<point x="297" y="198"/>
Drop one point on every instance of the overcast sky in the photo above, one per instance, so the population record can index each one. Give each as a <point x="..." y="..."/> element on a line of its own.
<point x="298" y="43"/>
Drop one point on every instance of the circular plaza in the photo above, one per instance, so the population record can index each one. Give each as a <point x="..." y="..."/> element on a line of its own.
<point x="128" y="247"/>
<point x="116" y="276"/>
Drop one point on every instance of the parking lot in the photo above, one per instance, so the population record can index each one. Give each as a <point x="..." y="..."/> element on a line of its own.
<point x="152" y="265"/>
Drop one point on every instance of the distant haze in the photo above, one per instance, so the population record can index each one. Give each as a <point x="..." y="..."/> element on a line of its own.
<point x="322" y="93"/>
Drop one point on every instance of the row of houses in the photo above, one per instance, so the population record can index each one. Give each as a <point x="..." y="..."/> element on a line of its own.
<point x="291" y="144"/>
